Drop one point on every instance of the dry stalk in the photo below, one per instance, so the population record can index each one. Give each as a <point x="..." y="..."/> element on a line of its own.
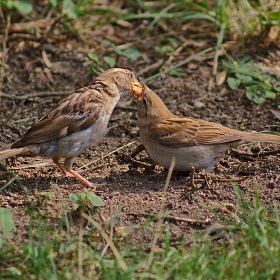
<point x="4" y="44"/>
<point x="160" y="215"/>
<point x="109" y="241"/>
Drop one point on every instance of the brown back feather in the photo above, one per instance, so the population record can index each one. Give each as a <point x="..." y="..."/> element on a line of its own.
<point x="180" y="131"/>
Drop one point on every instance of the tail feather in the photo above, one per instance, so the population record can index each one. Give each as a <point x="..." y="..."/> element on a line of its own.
<point x="262" y="137"/>
<point x="13" y="152"/>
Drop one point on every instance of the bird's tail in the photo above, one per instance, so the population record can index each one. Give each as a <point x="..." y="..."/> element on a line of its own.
<point x="262" y="137"/>
<point x="13" y="152"/>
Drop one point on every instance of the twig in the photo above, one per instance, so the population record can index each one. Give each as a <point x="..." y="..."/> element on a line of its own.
<point x="139" y="163"/>
<point x="179" y="64"/>
<point x="176" y="52"/>
<point x="218" y="50"/>
<point x="35" y="94"/>
<point x="255" y="155"/>
<point x="156" y="65"/>
<point x="174" y="218"/>
<point x="50" y="31"/>
<point x="4" y="53"/>
<point x="128" y="108"/>
<point x="9" y="117"/>
<point x="40" y="163"/>
<point x="129" y="144"/>
<point x="111" y="231"/>
<point x="187" y="220"/>
<point x="28" y="37"/>
<point x="26" y="192"/>
<point x="26" y="120"/>
<point x="232" y="180"/>
<point x="80" y="238"/>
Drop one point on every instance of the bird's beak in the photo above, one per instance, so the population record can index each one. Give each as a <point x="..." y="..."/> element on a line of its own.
<point x="138" y="90"/>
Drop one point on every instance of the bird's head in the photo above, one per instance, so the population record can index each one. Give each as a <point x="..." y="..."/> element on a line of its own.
<point x="116" y="81"/>
<point x="149" y="105"/>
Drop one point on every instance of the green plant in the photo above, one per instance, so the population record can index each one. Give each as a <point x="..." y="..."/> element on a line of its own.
<point x="6" y="225"/>
<point x="111" y="62"/>
<point x="244" y="18"/>
<point x="22" y="6"/>
<point x="259" y="85"/>
<point x="130" y="53"/>
<point x="71" y="9"/>
<point x="273" y="128"/>
<point x="81" y="199"/>
<point x="247" y="246"/>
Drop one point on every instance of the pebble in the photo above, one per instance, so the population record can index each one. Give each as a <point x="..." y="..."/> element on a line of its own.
<point x="198" y="104"/>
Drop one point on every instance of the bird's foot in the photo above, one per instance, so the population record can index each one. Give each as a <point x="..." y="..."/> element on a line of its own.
<point x="84" y="180"/>
<point x="72" y="173"/>
<point x="197" y="182"/>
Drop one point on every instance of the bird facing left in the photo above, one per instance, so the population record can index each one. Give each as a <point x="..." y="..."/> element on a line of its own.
<point x="77" y="122"/>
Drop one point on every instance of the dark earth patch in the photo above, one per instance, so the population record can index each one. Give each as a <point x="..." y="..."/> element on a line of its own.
<point x="135" y="192"/>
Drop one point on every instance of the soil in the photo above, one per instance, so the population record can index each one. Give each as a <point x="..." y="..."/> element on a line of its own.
<point x="33" y="84"/>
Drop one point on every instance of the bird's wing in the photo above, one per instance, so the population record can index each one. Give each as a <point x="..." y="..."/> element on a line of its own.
<point x="76" y="112"/>
<point x="180" y="131"/>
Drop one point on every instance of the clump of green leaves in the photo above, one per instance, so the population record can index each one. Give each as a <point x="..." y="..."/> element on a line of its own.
<point x="22" y="6"/>
<point x="130" y="53"/>
<point x="82" y="198"/>
<point x="248" y="18"/>
<point x="110" y="62"/>
<point x="259" y="85"/>
<point x="70" y="8"/>
<point x="67" y="9"/>
<point x="6" y="225"/>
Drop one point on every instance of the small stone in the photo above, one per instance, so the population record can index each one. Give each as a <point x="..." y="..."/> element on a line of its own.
<point x="198" y="104"/>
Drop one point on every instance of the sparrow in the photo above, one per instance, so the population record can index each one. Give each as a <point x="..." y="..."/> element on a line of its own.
<point x="77" y="122"/>
<point x="193" y="143"/>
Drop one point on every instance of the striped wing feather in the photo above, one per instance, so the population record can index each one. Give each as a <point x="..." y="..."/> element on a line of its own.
<point x="74" y="113"/>
<point x="179" y="132"/>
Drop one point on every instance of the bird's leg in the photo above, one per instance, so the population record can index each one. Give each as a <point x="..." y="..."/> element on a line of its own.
<point x="207" y="178"/>
<point x="67" y="170"/>
<point x="137" y="150"/>
<point x="188" y="193"/>
<point x="81" y="178"/>
<point x="58" y="164"/>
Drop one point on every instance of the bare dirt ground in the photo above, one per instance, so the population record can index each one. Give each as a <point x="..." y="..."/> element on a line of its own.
<point x="33" y="85"/>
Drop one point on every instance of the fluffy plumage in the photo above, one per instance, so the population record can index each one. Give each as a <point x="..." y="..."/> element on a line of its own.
<point x="78" y="121"/>
<point x="192" y="142"/>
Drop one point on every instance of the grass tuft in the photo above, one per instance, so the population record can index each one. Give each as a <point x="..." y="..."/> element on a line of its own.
<point x="246" y="245"/>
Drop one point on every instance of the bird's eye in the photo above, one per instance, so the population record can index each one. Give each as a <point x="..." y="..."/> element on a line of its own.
<point x="130" y="75"/>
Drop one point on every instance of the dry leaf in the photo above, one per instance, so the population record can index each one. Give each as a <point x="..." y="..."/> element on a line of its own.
<point x="46" y="60"/>
<point x="221" y="77"/>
